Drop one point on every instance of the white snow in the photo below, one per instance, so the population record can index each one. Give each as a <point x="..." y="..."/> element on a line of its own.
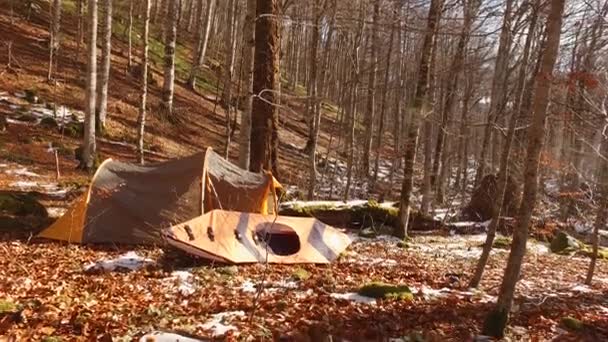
<point x="130" y="260"/>
<point x="354" y="297"/>
<point x="182" y="282"/>
<point x="159" y="336"/>
<point x="21" y="172"/>
<point x="219" y="325"/>
<point x="249" y="286"/>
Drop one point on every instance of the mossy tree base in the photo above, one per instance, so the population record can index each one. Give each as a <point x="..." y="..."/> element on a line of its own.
<point x="495" y="323"/>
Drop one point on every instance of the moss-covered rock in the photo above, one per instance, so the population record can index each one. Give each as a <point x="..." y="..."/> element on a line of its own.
<point x="572" y="323"/>
<point x="7" y="306"/>
<point x="383" y="290"/>
<point x="368" y="214"/>
<point x="20" y="205"/>
<point x="300" y="274"/>
<point x="563" y="243"/>
<point x="502" y="242"/>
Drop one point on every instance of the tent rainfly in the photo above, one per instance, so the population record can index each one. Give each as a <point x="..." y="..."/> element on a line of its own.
<point x="131" y="204"/>
<point x="238" y="237"/>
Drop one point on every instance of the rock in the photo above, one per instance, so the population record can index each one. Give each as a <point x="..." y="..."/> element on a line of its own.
<point x="20" y="205"/>
<point x="300" y="274"/>
<point x="31" y="96"/>
<point x="484" y="197"/>
<point x="48" y="122"/>
<point x="383" y="290"/>
<point x="228" y="270"/>
<point x="564" y="243"/>
<point x="572" y="323"/>
<point x="26" y="118"/>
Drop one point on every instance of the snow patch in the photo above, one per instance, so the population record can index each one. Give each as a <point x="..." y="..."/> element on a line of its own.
<point x="130" y="261"/>
<point x="219" y="324"/>
<point x="21" y="172"/>
<point x="159" y="336"/>
<point x="354" y="297"/>
<point x="182" y="282"/>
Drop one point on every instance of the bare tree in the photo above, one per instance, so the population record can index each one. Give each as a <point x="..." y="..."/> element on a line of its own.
<point x="169" y="59"/>
<point x="419" y="109"/>
<point x="248" y="50"/>
<point x="55" y="39"/>
<point x="104" y="74"/>
<point x="141" y="118"/>
<point x="202" y="42"/>
<point x="130" y="35"/>
<point x="89" y="148"/>
<point x="264" y="113"/>
<point x="371" y="92"/>
<point x="497" y="319"/>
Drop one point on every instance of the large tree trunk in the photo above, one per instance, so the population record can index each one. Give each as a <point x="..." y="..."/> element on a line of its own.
<point x="498" y="94"/>
<point x="202" y="42"/>
<point x="420" y="107"/>
<point x="312" y="100"/>
<point x="141" y="118"/>
<point x="371" y="92"/>
<point x="169" y="64"/>
<point x="104" y="74"/>
<point x="504" y="159"/>
<point x="54" y="39"/>
<point x="229" y="49"/>
<point x="248" y="50"/>
<point x="89" y="148"/>
<point x="80" y="36"/>
<point x="264" y="113"/>
<point x="497" y="319"/>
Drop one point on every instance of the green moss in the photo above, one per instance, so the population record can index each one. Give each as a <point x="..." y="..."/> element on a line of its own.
<point x="52" y="339"/>
<point x="48" y="122"/>
<point x="495" y="323"/>
<point x="74" y="130"/>
<point x="502" y="242"/>
<point x="383" y="290"/>
<point x="7" y="306"/>
<point x="300" y="274"/>
<point x="572" y="323"/>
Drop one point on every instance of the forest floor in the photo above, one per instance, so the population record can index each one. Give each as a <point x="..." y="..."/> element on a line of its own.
<point x="47" y="290"/>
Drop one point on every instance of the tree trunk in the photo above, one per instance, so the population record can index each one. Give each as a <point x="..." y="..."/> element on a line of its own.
<point x="130" y="43"/>
<point x="504" y="159"/>
<point x="420" y="107"/>
<point x="54" y="39"/>
<point x="104" y="74"/>
<point x="169" y="60"/>
<point x="202" y="42"/>
<point x="80" y="37"/>
<point x="385" y="92"/>
<point x="602" y="210"/>
<point x="497" y="98"/>
<point x="89" y="148"/>
<point x="229" y="42"/>
<point x="248" y="49"/>
<point x="497" y="319"/>
<point x="141" y="118"/>
<point x="371" y="92"/>
<point x="264" y="114"/>
<point x="427" y="134"/>
<point x="352" y="110"/>
<point x="313" y="101"/>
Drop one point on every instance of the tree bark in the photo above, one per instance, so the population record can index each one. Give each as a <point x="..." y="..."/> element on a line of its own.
<point x="89" y="148"/>
<point x="104" y="74"/>
<point x="419" y="111"/>
<point x="141" y="118"/>
<point x="371" y="92"/>
<point x="264" y="114"/>
<point x="248" y="50"/>
<point x="54" y="39"/>
<point x="497" y="319"/>
<point x="130" y="42"/>
<point x="169" y="59"/>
